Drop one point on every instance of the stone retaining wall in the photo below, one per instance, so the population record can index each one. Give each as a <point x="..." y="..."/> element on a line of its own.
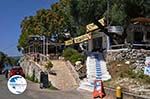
<point x="134" y="56"/>
<point x="31" y="68"/>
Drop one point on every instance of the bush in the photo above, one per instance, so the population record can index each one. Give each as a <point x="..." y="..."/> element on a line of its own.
<point x="76" y="57"/>
<point x="31" y="78"/>
<point x="140" y="76"/>
<point x="68" y="52"/>
<point x="49" y="65"/>
<point x="72" y="55"/>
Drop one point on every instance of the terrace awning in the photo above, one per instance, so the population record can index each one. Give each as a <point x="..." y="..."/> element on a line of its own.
<point x="140" y="20"/>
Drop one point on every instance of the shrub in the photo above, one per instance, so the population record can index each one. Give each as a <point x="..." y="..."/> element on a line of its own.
<point x="31" y="78"/>
<point x="68" y="52"/>
<point x="139" y="75"/>
<point x="49" y="65"/>
<point x="72" y="55"/>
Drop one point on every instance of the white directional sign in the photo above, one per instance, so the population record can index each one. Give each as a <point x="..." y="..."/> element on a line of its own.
<point x="116" y="29"/>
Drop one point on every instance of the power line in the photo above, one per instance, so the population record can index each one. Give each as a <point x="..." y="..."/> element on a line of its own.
<point x="11" y="46"/>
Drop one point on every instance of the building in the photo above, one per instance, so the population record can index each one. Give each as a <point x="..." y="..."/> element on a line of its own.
<point x="138" y="32"/>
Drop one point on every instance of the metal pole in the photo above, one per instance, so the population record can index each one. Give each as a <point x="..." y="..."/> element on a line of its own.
<point x="44" y="45"/>
<point x="108" y="13"/>
<point x="56" y="49"/>
<point x="29" y="49"/>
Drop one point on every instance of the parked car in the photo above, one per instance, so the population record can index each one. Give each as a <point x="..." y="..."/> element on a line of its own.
<point x="16" y="70"/>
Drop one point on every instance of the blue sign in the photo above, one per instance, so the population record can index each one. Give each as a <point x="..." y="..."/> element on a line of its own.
<point x="17" y="84"/>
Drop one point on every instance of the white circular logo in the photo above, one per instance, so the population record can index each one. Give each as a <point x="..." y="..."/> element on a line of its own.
<point x="17" y="84"/>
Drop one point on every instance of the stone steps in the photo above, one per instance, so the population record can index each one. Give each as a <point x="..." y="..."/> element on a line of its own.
<point x="63" y="79"/>
<point x="96" y="69"/>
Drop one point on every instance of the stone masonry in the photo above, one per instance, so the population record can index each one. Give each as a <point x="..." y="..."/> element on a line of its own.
<point x="30" y="67"/>
<point x="135" y="56"/>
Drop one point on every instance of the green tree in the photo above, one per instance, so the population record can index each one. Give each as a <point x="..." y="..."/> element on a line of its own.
<point x="120" y="12"/>
<point x="62" y="8"/>
<point x="4" y="59"/>
<point x="73" y="15"/>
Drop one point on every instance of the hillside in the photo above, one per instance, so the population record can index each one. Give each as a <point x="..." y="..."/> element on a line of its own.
<point x="128" y="78"/>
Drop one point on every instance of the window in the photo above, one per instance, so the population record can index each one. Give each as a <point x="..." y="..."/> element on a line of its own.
<point x="138" y="37"/>
<point x="148" y="36"/>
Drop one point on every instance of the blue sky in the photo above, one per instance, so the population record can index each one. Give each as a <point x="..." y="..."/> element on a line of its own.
<point x="11" y="14"/>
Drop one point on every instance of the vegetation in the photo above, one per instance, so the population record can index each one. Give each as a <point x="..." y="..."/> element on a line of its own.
<point x="140" y="76"/>
<point x="49" y="65"/>
<point x="35" y="80"/>
<point x="72" y="16"/>
<point x="73" y="55"/>
<point x="119" y="69"/>
<point x="32" y="78"/>
<point x="4" y="59"/>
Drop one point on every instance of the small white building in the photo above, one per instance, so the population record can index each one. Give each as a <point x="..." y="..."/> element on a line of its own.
<point x="99" y="40"/>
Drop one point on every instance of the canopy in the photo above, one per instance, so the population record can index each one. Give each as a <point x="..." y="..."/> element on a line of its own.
<point x="140" y="20"/>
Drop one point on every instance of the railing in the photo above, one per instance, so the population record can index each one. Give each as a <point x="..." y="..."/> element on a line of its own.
<point x="38" y="57"/>
<point x="53" y="56"/>
<point x="118" y="46"/>
<point x="145" y="45"/>
<point x="141" y="46"/>
<point x="129" y="45"/>
<point x="125" y="94"/>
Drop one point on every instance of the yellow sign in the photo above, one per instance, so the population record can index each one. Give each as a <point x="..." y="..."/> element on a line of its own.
<point x="102" y="21"/>
<point x="91" y="27"/>
<point x="69" y="42"/>
<point x="82" y="38"/>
